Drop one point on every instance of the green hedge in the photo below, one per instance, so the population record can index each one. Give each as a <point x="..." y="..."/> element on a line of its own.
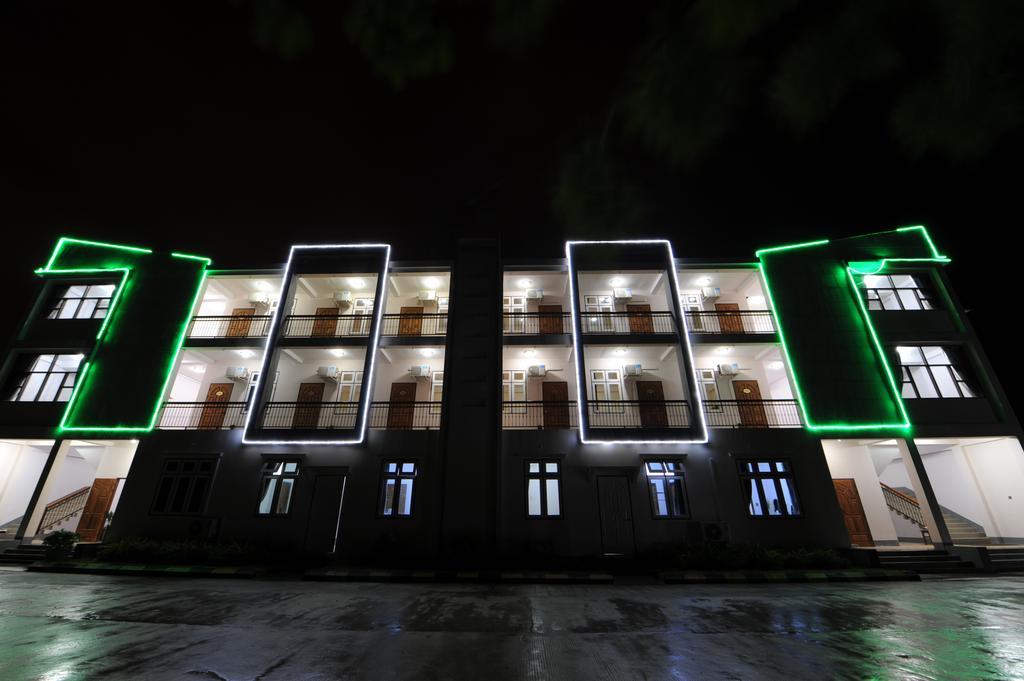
<point x="188" y="552"/>
<point x="753" y="557"/>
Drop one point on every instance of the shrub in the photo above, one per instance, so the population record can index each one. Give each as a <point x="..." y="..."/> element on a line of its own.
<point x="59" y="544"/>
<point x="142" y="549"/>
<point x="754" y="557"/>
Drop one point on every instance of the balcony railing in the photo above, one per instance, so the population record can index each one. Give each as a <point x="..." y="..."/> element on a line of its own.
<point x="327" y="326"/>
<point x="638" y="414"/>
<point x="202" y="415"/>
<point x="752" y="413"/>
<point x="538" y="415"/>
<point x="229" y="326"/>
<point x="343" y="415"/>
<point x="739" y="321"/>
<point x="414" y="325"/>
<point x="627" y="322"/>
<point x="536" y="323"/>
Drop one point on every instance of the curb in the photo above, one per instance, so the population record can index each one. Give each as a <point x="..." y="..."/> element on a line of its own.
<point x="142" y="570"/>
<point x="470" y="576"/>
<point x="783" y="576"/>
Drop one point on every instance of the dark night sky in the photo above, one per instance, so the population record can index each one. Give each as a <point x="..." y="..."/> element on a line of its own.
<point x="234" y="128"/>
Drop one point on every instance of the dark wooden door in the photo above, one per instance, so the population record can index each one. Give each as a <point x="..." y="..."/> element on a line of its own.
<point x="752" y="414"/>
<point x="653" y="411"/>
<point x="550" y="318"/>
<point x="212" y="416"/>
<point x="240" y="323"/>
<point x="729" y="317"/>
<point x="94" y="515"/>
<point x="853" y="512"/>
<point x="556" y="404"/>
<point x="640" y="320"/>
<point x="411" y="321"/>
<point x="325" y="514"/>
<point x="400" y="406"/>
<point x="326" y="323"/>
<point x="616" y="515"/>
<point x="308" y="416"/>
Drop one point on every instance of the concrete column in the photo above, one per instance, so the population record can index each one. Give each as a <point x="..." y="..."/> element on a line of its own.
<point x="925" y="494"/>
<point x="37" y="505"/>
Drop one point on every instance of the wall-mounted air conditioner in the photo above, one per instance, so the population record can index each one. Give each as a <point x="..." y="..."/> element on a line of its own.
<point x="534" y="293"/>
<point x="426" y="296"/>
<point x="259" y="299"/>
<point x="623" y="293"/>
<point x="420" y="370"/>
<point x="632" y="370"/>
<point x="342" y="298"/>
<point x="729" y="369"/>
<point x="710" y="292"/>
<point x="328" y="372"/>
<point x="537" y="371"/>
<point x="715" y="532"/>
<point x="237" y="373"/>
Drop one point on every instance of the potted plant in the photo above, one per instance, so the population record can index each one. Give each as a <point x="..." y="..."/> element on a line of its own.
<point x="60" y="544"/>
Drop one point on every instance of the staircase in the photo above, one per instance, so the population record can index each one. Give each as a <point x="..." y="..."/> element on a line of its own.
<point x="964" y="532"/>
<point x="23" y="554"/>
<point x="65" y="508"/>
<point x="934" y="561"/>
<point x="1006" y="560"/>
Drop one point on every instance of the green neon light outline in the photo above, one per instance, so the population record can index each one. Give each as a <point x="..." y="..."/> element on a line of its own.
<point x="188" y="256"/>
<point x="880" y="265"/>
<point x="67" y="239"/>
<point x="790" y="247"/>
<point x="927" y="238"/>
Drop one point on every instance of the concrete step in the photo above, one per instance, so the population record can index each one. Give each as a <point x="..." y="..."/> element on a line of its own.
<point x="23" y="553"/>
<point x="924" y="561"/>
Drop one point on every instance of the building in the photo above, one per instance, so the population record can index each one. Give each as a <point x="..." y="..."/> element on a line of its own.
<point x="616" y="401"/>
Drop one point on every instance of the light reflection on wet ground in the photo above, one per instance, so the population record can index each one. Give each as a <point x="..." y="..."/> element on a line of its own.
<point x="61" y="627"/>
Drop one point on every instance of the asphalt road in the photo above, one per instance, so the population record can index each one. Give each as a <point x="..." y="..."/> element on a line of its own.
<point x="60" y="627"/>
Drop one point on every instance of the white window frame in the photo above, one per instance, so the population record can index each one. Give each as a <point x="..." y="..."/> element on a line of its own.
<point x="513" y="305"/>
<point x="360" y="326"/>
<point x="599" y="378"/>
<point x="599" y="303"/>
<point x="546" y="478"/>
<point x="511" y="380"/>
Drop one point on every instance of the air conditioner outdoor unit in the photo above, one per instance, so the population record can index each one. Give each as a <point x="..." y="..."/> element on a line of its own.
<point x="236" y="373"/>
<point x="426" y="296"/>
<point x="632" y="370"/>
<point x="715" y="532"/>
<point x="420" y="370"/>
<point x="729" y="369"/>
<point x="623" y="293"/>
<point x="534" y="294"/>
<point x="328" y="372"/>
<point x="259" y="299"/>
<point x="537" y="370"/>
<point x="711" y="292"/>
<point x="342" y="298"/>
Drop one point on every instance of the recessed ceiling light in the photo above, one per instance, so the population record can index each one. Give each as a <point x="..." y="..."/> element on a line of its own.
<point x="262" y="285"/>
<point x="619" y="351"/>
<point x="428" y="352"/>
<point x="703" y="281"/>
<point x="337" y="352"/>
<point x="723" y="349"/>
<point x="529" y="353"/>
<point x="246" y="354"/>
<point x="431" y="282"/>
<point x="617" y="281"/>
<point x="356" y="282"/>
<point x="774" y="366"/>
<point x="198" y="368"/>
<point x="525" y="283"/>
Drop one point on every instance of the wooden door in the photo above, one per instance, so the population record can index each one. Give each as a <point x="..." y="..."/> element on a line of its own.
<point x="653" y="410"/>
<point x="556" y="404"/>
<point x="241" y="322"/>
<point x="400" y="407"/>
<point x="853" y="512"/>
<point x="640" y="320"/>
<point x="616" y="515"/>
<point x="752" y="414"/>
<point x="729" y="318"/>
<point x="212" y="416"/>
<point x="308" y="416"/>
<point x="94" y="515"/>
<point x="411" y="321"/>
<point x="550" y="318"/>
<point x="325" y="514"/>
<point x="326" y="323"/>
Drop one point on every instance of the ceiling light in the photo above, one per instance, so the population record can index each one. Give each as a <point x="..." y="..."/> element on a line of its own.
<point x="617" y="281"/>
<point x="337" y="352"/>
<point x="774" y="366"/>
<point x="723" y="349"/>
<point x="619" y="351"/>
<point x="262" y="285"/>
<point x="198" y="368"/>
<point x="431" y="282"/>
<point x="703" y="281"/>
<point x="529" y="353"/>
<point x="428" y="352"/>
<point x="525" y="283"/>
<point x="245" y="354"/>
<point x="356" y="282"/>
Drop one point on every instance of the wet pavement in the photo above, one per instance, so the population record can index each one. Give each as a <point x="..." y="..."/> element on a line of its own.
<point x="60" y="627"/>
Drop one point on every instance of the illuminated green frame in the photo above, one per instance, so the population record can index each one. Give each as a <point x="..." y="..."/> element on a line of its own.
<point x="859" y="268"/>
<point x="125" y="275"/>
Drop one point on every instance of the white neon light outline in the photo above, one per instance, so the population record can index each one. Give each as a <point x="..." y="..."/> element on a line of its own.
<point x="372" y="348"/>
<point x="686" y="344"/>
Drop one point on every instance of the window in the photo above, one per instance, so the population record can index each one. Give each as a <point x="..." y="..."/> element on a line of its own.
<point x="442" y="309"/>
<point x="768" y="488"/>
<point x="48" y="378"/>
<point x="665" y="483"/>
<point x="692" y="303"/>
<point x="931" y="371"/>
<point x="350" y="384"/>
<point x="362" y="309"/>
<point x="709" y="389"/>
<point x="601" y="307"/>
<point x="184" y="486"/>
<point x="896" y="292"/>
<point x="396" y="488"/>
<point x="250" y="390"/>
<point x="277" y="487"/>
<point x="83" y="302"/>
<point x="514" y="308"/>
<point x="513" y="389"/>
<point x="542" y="482"/>
<point x="606" y="386"/>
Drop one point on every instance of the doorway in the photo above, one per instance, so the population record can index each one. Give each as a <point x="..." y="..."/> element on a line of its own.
<point x="616" y="516"/>
<point x="241" y="322"/>
<point x="653" y="413"/>
<point x="94" y="514"/>
<point x="411" y="321"/>
<point x="308" y="416"/>
<point x="729" y="317"/>
<point x="556" y="404"/>
<point x="324" y="523"/>
<point x="853" y="512"/>
<point x="640" y="320"/>
<point x="326" y="323"/>
<point x="400" y="406"/>
<point x="749" y="404"/>
<point x="215" y="407"/>
<point x="550" y="318"/>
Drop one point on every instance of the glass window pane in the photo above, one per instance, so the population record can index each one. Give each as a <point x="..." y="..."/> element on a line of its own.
<point x="86" y="309"/>
<point x="31" y="388"/>
<point x="552" y="492"/>
<point x="614" y="393"/>
<point x="675" y="497"/>
<point x="764" y="466"/>
<point x="267" y="495"/>
<point x="909" y="354"/>
<point x="67" y="362"/>
<point x="771" y="497"/>
<point x="42" y="363"/>
<point x="389" y="495"/>
<point x="753" y="498"/>
<point x="789" y="495"/>
<point x="76" y="291"/>
<point x="909" y="299"/>
<point x="50" y="388"/>
<point x="535" y="468"/>
<point x="68" y="309"/>
<point x="195" y="503"/>
<point x="284" y="499"/>
<point x="533" y="496"/>
<point x="408" y="468"/>
<point x="392" y="467"/>
<point x="903" y="281"/>
<point x="923" y="382"/>
<point x="657" y="486"/>
<point x="291" y="467"/>
<point x="889" y="299"/>
<point x="876" y="281"/>
<point x="935" y="355"/>
<point x="944" y="379"/>
<point x="551" y="467"/>
<point x="405" y="497"/>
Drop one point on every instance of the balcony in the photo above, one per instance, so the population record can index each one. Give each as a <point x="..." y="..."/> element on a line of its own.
<point x="228" y="326"/>
<point x="536" y="323"/>
<point x="201" y="416"/>
<point x="539" y="415"/>
<point x="327" y="326"/>
<point x="627" y="323"/>
<point x="414" y="325"/>
<point x="738" y="322"/>
<point x="752" y="414"/>
<point x="343" y="415"/>
<point x="659" y="414"/>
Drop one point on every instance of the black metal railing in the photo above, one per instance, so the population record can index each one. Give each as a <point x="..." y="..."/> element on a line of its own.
<point x="738" y="321"/>
<point x="229" y="326"/>
<point x="327" y="326"/>
<point x="906" y="506"/>
<point x="536" y="323"/>
<point x="343" y="415"/>
<point x="627" y="322"/>
<point x="752" y="413"/>
<point x="538" y="415"/>
<point x="201" y="416"/>
<point x="638" y="414"/>
<point x="414" y="325"/>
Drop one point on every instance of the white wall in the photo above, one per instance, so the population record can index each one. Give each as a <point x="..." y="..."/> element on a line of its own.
<point x="856" y="462"/>
<point x="515" y="361"/>
<point x="998" y="467"/>
<point x="293" y="373"/>
<point x="307" y="305"/>
<point x="397" y="371"/>
<point x="954" y="485"/>
<point x="20" y="467"/>
<point x="750" y="370"/>
<point x="666" y="371"/>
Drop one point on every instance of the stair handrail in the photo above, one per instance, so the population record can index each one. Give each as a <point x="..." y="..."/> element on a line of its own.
<point x="906" y="506"/>
<point x="69" y="509"/>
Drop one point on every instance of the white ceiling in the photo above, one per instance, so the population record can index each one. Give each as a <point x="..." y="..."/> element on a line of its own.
<point x="399" y="353"/>
<point x="219" y="287"/>
<point x="324" y="285"/>
<point x="552" y="283"/>
<point x="727" y="280"/>
<point x="410" y="283"/>
<point x="642" y="282"/>
<point x="543" y="353"/>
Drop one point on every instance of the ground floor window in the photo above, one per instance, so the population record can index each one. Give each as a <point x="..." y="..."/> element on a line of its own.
<point x="665" y="484"/>
<point x="184" y="485"/>
<point x="542" y="493"/>
<point x="396" y="488"/>
<point x="768" y="487"/>
<point x="277" y="487"/>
